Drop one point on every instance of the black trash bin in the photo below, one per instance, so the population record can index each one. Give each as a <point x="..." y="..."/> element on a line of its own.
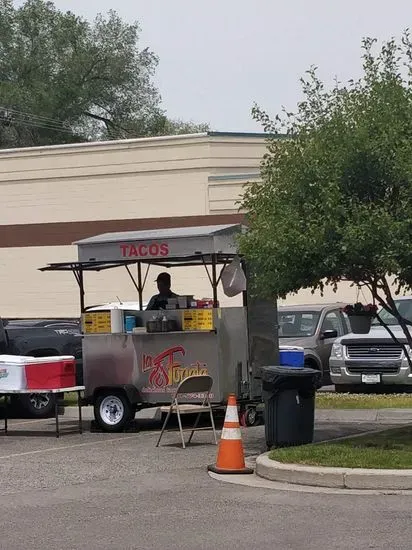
<point x="289" y="396"/>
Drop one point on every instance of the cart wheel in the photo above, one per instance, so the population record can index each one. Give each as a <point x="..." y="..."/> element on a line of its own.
<point x="251" y="417"/>
<point x="112" y="411"/>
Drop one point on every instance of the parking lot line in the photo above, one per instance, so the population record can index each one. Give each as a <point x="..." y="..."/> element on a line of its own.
<point x="24" y="422"/>
<point x="65" y="447"/>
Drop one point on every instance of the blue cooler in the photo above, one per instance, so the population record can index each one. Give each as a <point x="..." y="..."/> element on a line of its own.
<point x="129" y="323"/>
<point x="292" y="356"/>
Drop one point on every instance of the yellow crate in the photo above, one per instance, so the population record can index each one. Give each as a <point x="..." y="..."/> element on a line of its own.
<point x="97" y="322"/>
<point x="197" y="319"/>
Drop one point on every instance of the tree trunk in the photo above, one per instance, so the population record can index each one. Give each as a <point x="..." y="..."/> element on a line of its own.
<point x="390" y="306"/>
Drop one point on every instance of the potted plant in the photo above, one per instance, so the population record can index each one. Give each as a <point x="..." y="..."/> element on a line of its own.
<point x="360" y="316"/>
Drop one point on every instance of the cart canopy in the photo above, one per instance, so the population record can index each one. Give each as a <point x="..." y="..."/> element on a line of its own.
<point x="165" y="247"/>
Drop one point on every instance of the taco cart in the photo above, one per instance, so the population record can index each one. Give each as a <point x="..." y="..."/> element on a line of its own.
<point x="136" y="359"/>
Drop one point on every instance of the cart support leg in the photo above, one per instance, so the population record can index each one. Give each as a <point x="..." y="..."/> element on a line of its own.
<point x="212" y="420"/>
<point x="79" y="405"/>
<point x="6" y="413"/>
<point x="56" y="412"/>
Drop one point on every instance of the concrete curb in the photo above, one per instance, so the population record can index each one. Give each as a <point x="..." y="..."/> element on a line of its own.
<point x="380" y="416"/>
<point x="342" y="478"/>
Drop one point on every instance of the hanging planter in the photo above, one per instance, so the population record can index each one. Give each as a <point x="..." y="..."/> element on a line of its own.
<point x="360" y="317"/>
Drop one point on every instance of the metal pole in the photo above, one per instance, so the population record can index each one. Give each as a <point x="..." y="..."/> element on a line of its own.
<point x="140" y="285"/>
<point x="81" y="286"/>
<point x="245" y="293"/>
<point x="214" y="280"/>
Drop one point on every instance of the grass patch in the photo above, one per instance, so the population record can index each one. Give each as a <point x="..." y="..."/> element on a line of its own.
<point x="363" y="401"/>
<point x="387" y="449"/>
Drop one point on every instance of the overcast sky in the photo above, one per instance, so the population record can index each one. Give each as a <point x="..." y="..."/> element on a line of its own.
<point x="219" y="56"/>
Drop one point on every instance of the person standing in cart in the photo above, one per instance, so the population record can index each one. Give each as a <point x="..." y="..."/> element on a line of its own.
<point x="159" y="301"/>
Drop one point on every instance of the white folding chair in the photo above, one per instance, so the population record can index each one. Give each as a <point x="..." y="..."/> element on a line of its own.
<point x="192" y="384"/>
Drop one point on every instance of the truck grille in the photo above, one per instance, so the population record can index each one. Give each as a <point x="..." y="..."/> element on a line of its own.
<point x="372" y="369"/>
<point x="374" y="351"/>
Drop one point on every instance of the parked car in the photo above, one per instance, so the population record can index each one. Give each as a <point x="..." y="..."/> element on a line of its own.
<point x="373" y="360"/>
<point x="66" y="326"/>
<point x="39" y="338"/>
<point x="315" y="328"/>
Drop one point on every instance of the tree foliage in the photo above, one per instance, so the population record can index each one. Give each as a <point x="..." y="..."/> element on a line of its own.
<point x="335" y="201"/>
<point x="63" y="79"/>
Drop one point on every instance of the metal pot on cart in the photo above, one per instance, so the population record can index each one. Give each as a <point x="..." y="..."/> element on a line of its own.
<point x="131" y="366"/>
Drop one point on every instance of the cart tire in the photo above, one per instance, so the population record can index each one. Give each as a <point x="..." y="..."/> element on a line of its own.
<point x="249" y="417"/>
<point x="112" y="411"/>
<point x="252" y="417"/>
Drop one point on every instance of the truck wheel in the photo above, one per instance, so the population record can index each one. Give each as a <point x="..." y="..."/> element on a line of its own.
<point x="37" y="405"/>
<point x="112" y="411"/>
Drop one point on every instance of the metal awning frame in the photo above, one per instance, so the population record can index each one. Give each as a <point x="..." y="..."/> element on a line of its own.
<point x="78" y="269"/>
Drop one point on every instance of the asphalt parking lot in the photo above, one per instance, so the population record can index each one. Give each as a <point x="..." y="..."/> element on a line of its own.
<point x="101" y="491"/>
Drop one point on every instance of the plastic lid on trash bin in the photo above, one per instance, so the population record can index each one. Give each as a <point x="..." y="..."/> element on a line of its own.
<point x="276" y="377"/>
<point x="272" y="372"/>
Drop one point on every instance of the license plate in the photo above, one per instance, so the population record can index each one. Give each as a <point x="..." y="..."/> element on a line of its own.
<point x="371" y="378"/>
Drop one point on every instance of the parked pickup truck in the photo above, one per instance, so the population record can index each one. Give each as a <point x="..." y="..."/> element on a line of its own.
<point x="36" y="338"/>
<point x="372" y="360"/>
<point x="315" y="328"/>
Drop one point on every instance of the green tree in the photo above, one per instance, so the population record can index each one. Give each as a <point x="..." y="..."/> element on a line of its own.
<point x="335" y="201"/>
<point x="63" y="79"/>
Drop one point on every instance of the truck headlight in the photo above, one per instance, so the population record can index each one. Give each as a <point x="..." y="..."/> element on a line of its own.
<point x="337" y="351"/>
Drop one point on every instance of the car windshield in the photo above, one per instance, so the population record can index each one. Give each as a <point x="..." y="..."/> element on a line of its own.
<point x="297" y="324"/>
<point x="404" y="308"/>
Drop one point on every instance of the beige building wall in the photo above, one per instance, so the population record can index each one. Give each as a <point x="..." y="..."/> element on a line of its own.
<point x="131" y="179"/>
<point x="50" y="193"/>
<point x="157" y="178"/>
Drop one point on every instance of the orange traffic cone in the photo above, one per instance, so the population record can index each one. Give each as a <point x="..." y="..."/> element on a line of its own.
<point x="230" y="456"/>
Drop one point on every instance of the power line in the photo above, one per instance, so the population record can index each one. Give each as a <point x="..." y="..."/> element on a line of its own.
<point x="14" y="117"/>
<point x="30" y="124"/>
<point x="20" y="118"/>
<point x="23" y="113"/>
